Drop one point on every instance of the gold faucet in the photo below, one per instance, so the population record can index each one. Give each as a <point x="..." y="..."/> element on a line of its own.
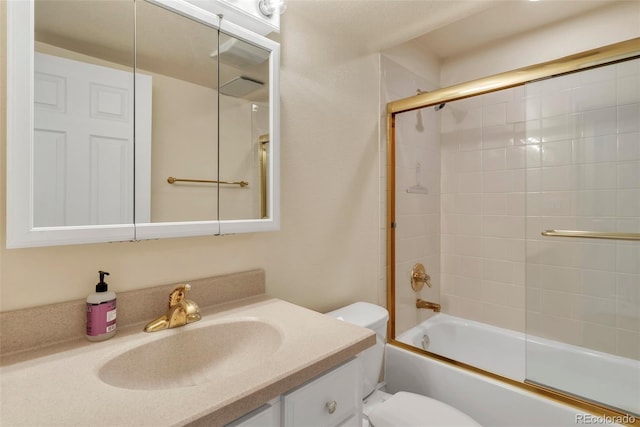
<point x="420" y="303"/>
<point x="181" y="311"/>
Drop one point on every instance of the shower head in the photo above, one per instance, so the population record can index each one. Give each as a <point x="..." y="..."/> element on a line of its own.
<point x="437" y="107"/>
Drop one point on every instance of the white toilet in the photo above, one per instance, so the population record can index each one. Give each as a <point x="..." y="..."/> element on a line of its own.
<point x="402" y="409"/>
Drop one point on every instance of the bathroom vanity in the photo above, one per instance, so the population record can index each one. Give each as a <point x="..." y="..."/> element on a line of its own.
<point x="332" y="399"/>
<point x="250" y="359"/>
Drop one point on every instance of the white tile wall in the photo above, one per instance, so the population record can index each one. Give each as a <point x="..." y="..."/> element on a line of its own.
<point x="586" y="292"/>
<point x="567" y="150"/>
<point x="483" y="208"/>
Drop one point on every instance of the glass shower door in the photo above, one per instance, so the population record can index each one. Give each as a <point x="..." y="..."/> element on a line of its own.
<point x="583" y="289"/>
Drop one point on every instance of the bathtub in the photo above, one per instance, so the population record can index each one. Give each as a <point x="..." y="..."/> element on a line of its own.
<point x="487" y="347"/>
<point x="502" y="351"/>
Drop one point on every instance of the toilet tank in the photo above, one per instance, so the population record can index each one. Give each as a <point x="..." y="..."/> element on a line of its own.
<point x="373" y="317"/>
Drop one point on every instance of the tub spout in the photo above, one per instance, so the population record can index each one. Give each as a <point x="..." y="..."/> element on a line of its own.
<point x="420" y="303"/>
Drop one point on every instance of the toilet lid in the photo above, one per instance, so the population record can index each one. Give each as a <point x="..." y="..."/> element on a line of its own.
<point x="405" y="409"/>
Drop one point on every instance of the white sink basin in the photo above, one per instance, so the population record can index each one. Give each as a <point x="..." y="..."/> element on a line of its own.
<point x="192" y="355"/>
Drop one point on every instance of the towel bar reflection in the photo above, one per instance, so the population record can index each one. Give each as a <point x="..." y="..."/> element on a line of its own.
<point x="591" y="234"/>
<point x="171" y="180"/>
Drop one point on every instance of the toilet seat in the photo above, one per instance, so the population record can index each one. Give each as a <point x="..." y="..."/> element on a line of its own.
<point x="405" y="409"/>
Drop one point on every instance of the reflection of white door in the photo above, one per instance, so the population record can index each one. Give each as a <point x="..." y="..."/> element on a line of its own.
<point x="83" y="142"/>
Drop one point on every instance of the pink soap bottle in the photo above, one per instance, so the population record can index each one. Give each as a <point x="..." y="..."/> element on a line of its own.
<point x="101" y="312"/>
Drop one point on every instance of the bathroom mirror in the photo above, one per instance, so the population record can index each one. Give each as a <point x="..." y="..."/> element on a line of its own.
<point x="137" y="119"/>
<point x="184" y="114"/>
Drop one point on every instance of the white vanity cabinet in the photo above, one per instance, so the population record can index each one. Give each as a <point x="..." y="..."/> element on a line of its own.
<point x="334" y="399"/>
<point x="267" y="415"/>
<point x="330" y="400"/>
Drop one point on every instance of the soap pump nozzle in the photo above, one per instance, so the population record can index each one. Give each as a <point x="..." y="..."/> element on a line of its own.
<point x="102" y="286"/>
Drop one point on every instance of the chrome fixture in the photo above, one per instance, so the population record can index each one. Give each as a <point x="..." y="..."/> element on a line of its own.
<point x="425" y="341"/>
<point x="181" y="311"/>
<point x="440" y="106"/>
<point x="418" y="188"/>
<point x="268" y="7"/>
<point x="419" y="277"/>
<point x="420" y="303"/>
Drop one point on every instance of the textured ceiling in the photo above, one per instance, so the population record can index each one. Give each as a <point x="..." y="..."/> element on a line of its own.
<point x="382" y="24"/>
<point x="443" y="27"/>
<point x="506" y="19"/>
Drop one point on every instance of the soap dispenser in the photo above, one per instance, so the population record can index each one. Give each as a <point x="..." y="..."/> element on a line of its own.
<point x="101" y="312"/>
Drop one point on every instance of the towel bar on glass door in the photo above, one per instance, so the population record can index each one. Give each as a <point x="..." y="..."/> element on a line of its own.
<point x="171" y="180"/>
<point x="591" y="234"/>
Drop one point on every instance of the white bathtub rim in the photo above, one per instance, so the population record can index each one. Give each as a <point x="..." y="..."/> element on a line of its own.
<point x="443" y="318"/>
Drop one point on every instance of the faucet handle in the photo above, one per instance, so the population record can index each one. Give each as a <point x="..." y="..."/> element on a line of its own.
<point x="180" y="312"/>
<point x="178" y="294"/>
<point x="419" y="277"/>
<point x="178" y="297"/>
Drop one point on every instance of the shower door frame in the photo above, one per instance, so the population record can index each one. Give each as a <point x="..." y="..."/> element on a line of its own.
<point x="605" y="55"/>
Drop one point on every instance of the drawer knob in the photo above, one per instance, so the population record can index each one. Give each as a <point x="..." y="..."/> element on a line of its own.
<point x="332" y="406"/>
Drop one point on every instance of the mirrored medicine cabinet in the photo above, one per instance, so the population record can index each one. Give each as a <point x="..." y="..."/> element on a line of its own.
<point x="137" y="119"/>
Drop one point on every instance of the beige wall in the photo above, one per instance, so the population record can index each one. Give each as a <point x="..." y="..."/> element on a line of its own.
<point x="326" y="253"/>
<point x="183" y="118"/>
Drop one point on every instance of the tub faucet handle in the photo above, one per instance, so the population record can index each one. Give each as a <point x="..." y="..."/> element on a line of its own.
<point x="419" y="277"/>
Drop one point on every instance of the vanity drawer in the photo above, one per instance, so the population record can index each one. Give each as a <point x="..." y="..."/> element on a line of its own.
<point x="267" y="415"/>
<point x="330" y="400"/>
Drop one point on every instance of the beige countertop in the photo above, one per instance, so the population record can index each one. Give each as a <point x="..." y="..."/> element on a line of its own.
<point x="60" y="385"/>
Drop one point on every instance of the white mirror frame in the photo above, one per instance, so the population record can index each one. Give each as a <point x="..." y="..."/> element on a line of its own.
<point x="272" y="222"/>
<point x="20" y="231"/>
